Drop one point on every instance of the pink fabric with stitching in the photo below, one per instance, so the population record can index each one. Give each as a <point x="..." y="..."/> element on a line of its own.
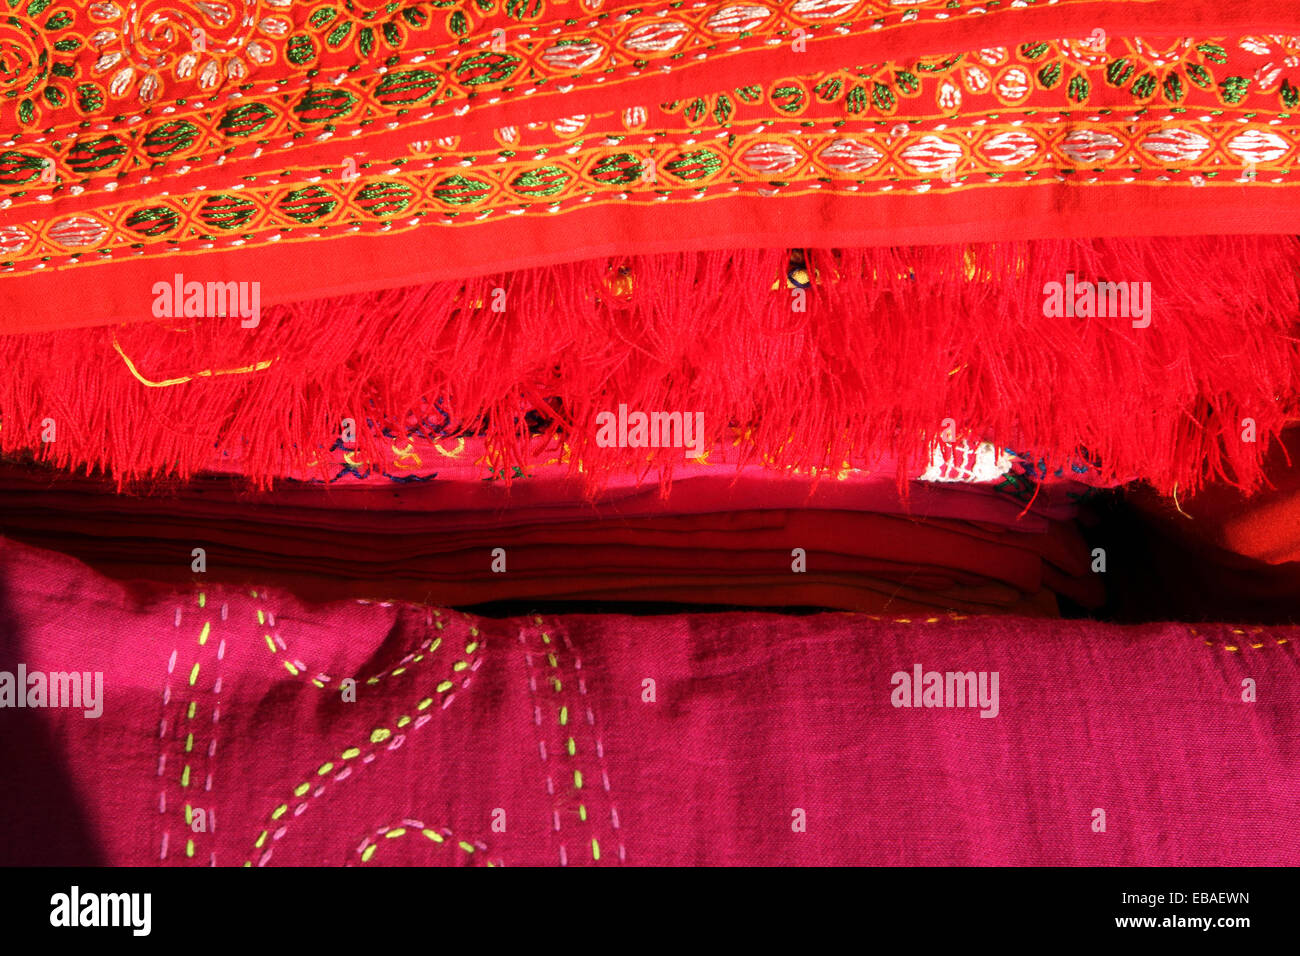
<point x="754" y="717"/>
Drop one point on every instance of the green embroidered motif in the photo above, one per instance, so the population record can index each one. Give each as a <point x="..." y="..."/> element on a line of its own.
<point x="459" y="190"/>
<point x="308" y="205"/>
<point x="487" y="67"/>
<point x="168" y="138"/>
<point x="18" y="168"/>
<point x="324" y="104"/>
<point x="384" y="198"/>
<point x="619" y="169"/>
<point x="96" y="155"/>
<point x="226" y="212"/>
<point x="153" y="220"/>
<point x="543" y="181"/>
<point x="698" y="164"/>
<point x="245" y="120"/>
<point x="406" y="87"/>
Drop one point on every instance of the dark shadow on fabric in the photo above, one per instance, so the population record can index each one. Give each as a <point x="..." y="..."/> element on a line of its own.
<point x="42" y="821"/>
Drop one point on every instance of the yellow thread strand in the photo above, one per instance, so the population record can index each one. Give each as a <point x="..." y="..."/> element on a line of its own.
<point x="1177" y="505"/>
<point x="206" y="373"/>
<point x="369" y="852"/>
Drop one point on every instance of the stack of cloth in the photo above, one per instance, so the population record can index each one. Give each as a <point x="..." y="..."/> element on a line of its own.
<point x="989" y="538"/>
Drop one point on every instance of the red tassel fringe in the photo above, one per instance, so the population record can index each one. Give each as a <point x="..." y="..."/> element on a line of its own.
<point x="892" y="343"/>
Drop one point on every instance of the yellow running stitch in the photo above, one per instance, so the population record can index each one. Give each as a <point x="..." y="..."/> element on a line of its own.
<point x="1236" y="648"/>
<point x="266" y="623"/>
<point x="378" y="736"/>
<point x="295" y="667"/>
<point x="189" y="713"/>
<point x="442" y="837"/>
<point x="600" y="755"/>
<point x="564" y="717"/>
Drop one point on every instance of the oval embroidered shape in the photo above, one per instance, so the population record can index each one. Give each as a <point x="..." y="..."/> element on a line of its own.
<point x="771" y="158"/>
<point x="656" y="37"/>
<point x="931" y="154"/>
<point x="12" y="240"/>
<point x="487" y="67"/>
<point x="850" y="156"/>
<point x="695" y="165"/>
<point x="1090" y="146"/>
<point x="406" y="87"/>
<point x="324" y="104"/>
<point x="458" y="190"/>
<point x="740" y="18"/>
<point x="1175" y="145"/>
<point x="78" y="231"/>
<point x="169" y="138"/>
<point x="18" y="168"/>
<point x="1257" y="146"/>
<point x="96" y="155"/>
<point x="308" y="205"/>
<point x="245" y="120"/>
<point x="1013" y="84"/>
<point x="384" y="198"/>
<point x="226" y="211"/>
<point x="571" y="56"/>
<point x="823" y="9"/>
<point x="617" y="170"/>
<point x="543" y="181"/>
<point x="153" y="220"/>
<point x="1010" y="148"/>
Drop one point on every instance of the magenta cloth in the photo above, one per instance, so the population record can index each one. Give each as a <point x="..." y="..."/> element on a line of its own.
<point x="534" y="741"/>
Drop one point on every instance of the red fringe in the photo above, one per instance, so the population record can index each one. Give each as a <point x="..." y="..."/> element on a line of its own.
<point x="892" y="343"/>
